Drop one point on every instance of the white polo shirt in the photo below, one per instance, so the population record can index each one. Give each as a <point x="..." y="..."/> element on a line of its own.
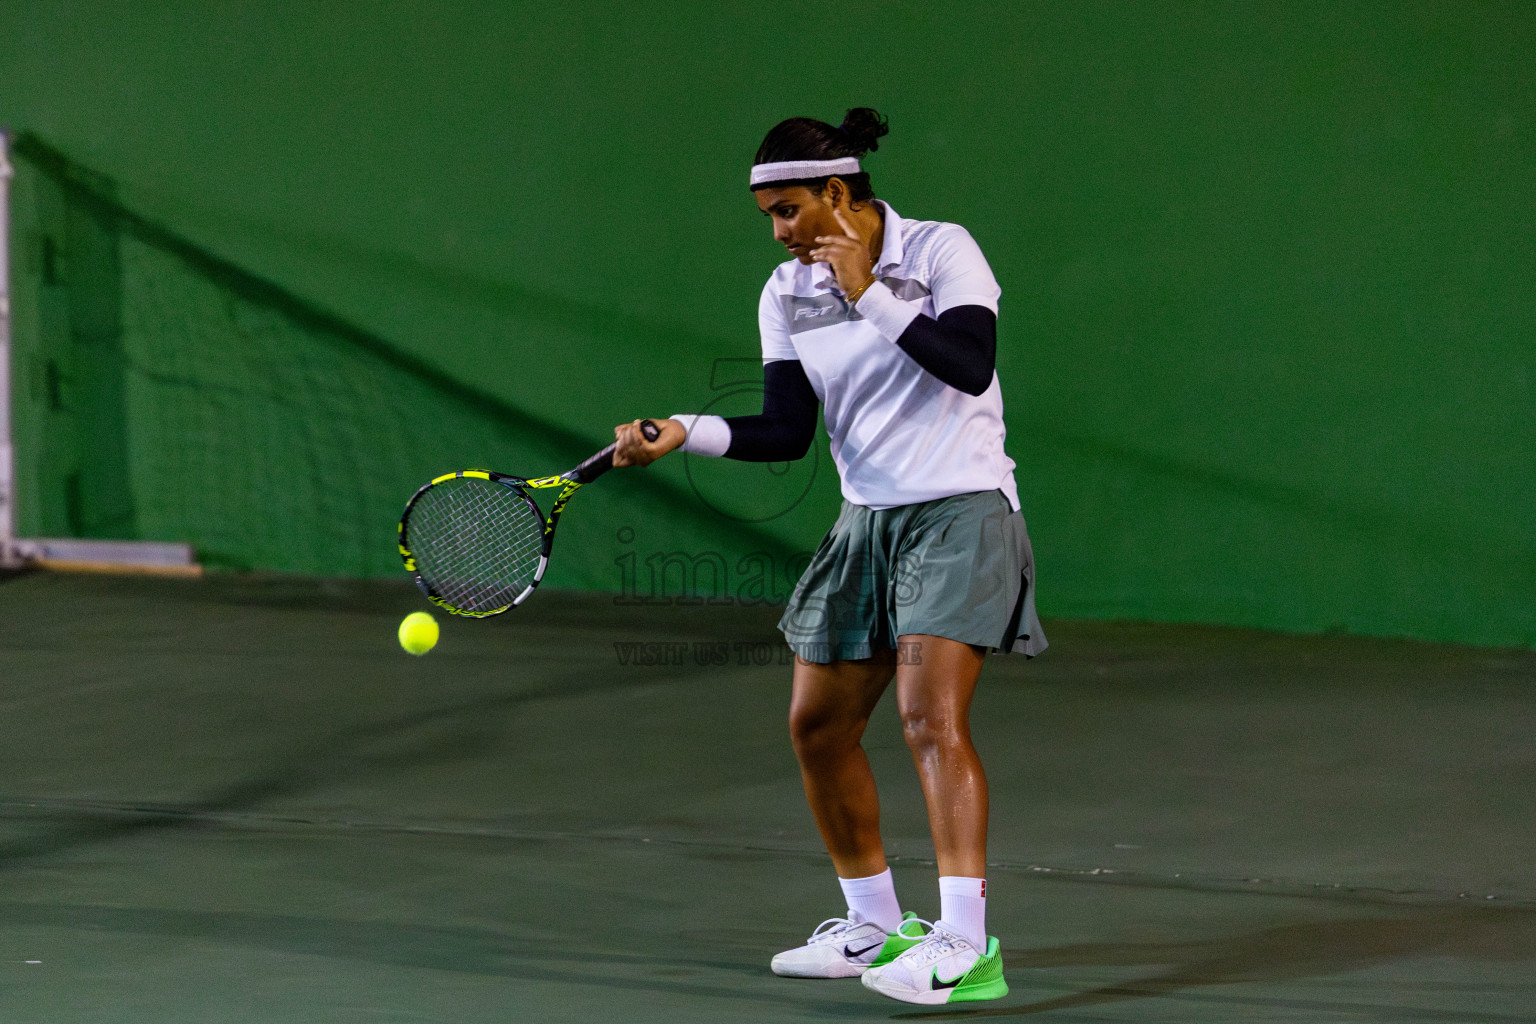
<point x="899" y="434"/>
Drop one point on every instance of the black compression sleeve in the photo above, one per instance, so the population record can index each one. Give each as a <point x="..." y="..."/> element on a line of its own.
<point x="959" y="348"/>
<point x="783" y="432"/>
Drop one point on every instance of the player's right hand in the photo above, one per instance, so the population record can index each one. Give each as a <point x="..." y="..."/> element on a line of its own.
<point x="634" y="450"/>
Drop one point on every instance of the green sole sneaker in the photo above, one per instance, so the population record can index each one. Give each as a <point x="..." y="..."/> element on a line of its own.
<point x="919" y="978"/>
<point x="984" y="980"/>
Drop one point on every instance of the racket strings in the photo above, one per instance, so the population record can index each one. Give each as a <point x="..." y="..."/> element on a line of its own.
<point x="477" y="543"/>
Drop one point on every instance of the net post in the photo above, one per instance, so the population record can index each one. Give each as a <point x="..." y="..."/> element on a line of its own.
<point x="8" y="552"/>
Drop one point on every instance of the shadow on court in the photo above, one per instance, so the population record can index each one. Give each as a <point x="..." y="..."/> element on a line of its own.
<point x="237" y="800"/>
<point x="416" y="741"/>
<point x="1293" y="953"/>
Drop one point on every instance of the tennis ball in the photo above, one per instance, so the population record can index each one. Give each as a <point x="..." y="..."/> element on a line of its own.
<point x="418" y="633"/>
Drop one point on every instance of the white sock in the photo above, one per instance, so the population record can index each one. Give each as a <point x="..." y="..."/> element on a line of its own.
<point x="874" y="898"/>
<point x="963" y="906"/>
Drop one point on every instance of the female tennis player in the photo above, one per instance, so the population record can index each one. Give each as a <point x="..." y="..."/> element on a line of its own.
<point x="890" y="325"/>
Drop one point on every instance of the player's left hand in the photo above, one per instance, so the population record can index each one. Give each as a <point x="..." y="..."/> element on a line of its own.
<point x="848" y="253"/>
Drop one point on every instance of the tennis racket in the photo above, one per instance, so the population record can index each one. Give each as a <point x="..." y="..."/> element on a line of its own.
<point x="476" y="541"/>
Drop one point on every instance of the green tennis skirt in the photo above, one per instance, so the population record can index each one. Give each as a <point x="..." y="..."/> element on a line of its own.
<point x="959" y="567"/>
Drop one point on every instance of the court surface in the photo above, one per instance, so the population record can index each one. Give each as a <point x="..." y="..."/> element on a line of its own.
<point x="237" y="800"/>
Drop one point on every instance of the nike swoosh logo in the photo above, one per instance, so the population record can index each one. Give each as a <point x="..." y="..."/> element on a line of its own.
<point x="937" y="984"/>
<point x="850" y="954"/>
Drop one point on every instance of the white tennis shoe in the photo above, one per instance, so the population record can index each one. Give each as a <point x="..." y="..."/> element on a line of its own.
<point x="841" y="947"/>
<point x="943" y="967"/>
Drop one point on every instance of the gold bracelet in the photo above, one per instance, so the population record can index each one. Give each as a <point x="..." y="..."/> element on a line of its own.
<point x="855" y="295"/>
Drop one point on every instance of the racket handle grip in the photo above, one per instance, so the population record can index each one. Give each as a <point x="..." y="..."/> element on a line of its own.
<point x="602" y="462"/>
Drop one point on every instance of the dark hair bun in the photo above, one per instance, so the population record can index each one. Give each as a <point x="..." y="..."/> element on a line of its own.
<point x="863" y="127"/>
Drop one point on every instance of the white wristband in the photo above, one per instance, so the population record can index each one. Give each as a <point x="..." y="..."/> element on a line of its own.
<point x="707" y="435"/>
<point x="884" y="311"/>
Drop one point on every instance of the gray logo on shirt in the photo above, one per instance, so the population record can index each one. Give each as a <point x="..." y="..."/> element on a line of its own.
<point x="808" y="312"/>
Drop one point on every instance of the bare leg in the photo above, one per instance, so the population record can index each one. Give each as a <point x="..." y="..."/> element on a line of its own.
<point x="934" y="685"/>
<point x="828" y="711"/>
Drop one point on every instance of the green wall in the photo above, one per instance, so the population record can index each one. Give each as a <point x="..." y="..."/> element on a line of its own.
<point x="1267" y="344"/>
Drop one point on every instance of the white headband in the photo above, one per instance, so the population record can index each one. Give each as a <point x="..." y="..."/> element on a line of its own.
<point x="794" y="170"/>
